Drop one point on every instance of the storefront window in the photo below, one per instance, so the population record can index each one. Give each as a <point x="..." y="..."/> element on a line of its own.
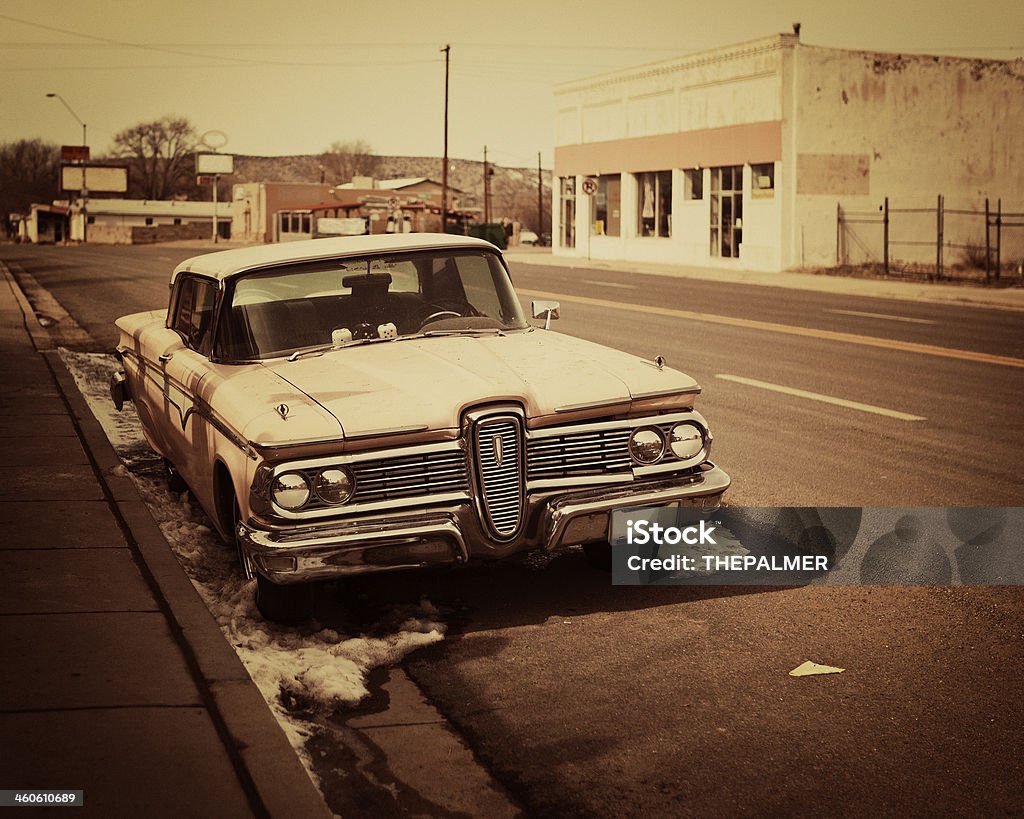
<point x="567" y="209"/>
<point x="763" y="179"/>
<point x="607" y="206"/>
<point x="654" y="204"/>
<point x="693" y="184"/>
<point x="726" y="211"/>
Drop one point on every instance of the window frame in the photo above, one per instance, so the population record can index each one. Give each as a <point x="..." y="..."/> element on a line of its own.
<point x="659" y="202"/>
<point x="604" y="181"/>
<point x="174" y="321"/>
<point x="567" y="211"/>
<point x="693" y="192"/>
<point x="725" y="209"/>
<point x="756" y="190"/>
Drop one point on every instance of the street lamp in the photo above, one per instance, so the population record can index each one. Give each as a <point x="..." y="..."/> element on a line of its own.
<point x="72" y="112"/>
<point x="85" y="149"/>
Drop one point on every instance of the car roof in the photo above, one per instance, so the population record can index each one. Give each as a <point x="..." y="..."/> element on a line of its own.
<point x="225" y="263"/>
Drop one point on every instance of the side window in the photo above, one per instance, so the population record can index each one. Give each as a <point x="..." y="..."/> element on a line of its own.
<point x="183" y="307"/>
<point x="204" y="299"/>
<point x="194" y="311"/>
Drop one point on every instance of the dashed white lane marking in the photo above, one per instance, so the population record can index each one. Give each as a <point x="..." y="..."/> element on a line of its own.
<point x="619" y="285"/>
<point x="825" y="399"/>
<point x="886" y="316"/>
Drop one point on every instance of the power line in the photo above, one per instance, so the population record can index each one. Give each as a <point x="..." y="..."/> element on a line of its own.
<point x="140" y="46"/>
<point x="194" y="66"/>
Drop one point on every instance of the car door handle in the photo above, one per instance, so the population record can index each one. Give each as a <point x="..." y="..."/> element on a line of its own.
<point x="166" y="357"/>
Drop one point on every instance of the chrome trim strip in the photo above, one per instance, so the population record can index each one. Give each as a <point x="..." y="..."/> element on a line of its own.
<point x="378" y="433"/>
<point x="625" y="423"/>
<point x="559" y="513"/>
<point x="374" y="506"/>
<point x="370" y="455"/>
<point x="582" y="480"/>
<point x="598" y="405"/>
<point x="667" y="393"/>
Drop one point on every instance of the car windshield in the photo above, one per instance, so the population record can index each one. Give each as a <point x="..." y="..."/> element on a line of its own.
<point x="286" y="309"/>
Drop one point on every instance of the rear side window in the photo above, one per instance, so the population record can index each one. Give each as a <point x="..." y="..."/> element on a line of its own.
<point x="194" y="312"/>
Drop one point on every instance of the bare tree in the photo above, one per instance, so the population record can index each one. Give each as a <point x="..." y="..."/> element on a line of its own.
<point x="344" y="160"/>
<point x="160" y="157"/>
<point x="29" y="173"/>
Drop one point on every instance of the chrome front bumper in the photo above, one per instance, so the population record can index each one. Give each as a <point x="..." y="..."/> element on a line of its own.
<point x="450" y="535"/>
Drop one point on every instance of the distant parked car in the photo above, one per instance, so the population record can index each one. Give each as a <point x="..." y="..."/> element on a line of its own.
<point x="370" y="403"/>
<point x="528" y="237"/>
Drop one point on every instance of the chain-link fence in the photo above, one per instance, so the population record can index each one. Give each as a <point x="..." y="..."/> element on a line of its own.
<point x="941" y="242"/>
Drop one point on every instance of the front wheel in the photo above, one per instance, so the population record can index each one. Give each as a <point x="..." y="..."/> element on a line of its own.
<point x="599" y="554"/>
<point x="283" y="603"/>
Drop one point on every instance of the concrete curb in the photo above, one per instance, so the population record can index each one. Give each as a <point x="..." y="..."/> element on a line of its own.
<point x="264" y="760"/>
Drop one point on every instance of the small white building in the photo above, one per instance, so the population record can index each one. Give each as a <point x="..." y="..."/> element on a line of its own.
<point x="740" y="156"/>
<point x="134" y="221"/>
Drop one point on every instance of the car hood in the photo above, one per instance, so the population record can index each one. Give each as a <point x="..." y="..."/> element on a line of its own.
<point x="427" y="383"/>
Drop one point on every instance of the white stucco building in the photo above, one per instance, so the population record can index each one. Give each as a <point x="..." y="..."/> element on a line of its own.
<point x="739" y="156"/>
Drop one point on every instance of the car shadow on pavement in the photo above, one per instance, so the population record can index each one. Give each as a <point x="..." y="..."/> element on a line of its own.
<point x="503" y="594"/>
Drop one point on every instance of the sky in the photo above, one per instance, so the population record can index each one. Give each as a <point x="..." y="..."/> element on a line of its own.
<point x="291" y="78"/>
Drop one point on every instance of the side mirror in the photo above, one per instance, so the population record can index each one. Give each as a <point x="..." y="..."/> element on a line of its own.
<point x="546" y="310"/>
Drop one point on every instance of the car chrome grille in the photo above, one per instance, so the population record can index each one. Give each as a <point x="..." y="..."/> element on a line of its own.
<point x="499" y="458"/>
<point x="579" y="454"/>
<point x="406" y="476"/>
<point x="410" y="476"/>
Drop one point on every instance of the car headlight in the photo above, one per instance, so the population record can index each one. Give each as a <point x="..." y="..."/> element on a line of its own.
<point x="686" y="441"/>
<point x="290" y="490"/>
<point x="334" y="485"/>
<point x="646" y="445"/>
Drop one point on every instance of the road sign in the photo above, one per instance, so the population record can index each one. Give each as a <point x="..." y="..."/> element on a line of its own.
<point x="74" y="153"/>
<point x="204" y="179"/>
<point x="589" y="186"/>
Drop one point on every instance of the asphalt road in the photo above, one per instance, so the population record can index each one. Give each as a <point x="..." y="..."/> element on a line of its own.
<point x="587" y="699"/>
<point x="781" y="448"/>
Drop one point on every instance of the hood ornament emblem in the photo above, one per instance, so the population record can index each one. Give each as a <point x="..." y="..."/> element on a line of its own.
<point x="282" y="410"/>
<point x="499" y="450"/>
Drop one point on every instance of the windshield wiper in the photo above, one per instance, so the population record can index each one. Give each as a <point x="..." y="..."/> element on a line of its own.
<point x="320" y="349"/>
<point x="466" y="331"/>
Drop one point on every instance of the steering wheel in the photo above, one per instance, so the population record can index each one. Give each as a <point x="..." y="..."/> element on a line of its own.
<point x="254" y="296"/>
<point x="438" y="315"/>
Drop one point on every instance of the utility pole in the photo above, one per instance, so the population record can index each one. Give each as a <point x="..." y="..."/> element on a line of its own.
<point x="444" y="167"/>
<point x="85" y="151"/>
<point x="487" y="190"/>
<point x="216" y="182"/>
<point x="540" y="199"/>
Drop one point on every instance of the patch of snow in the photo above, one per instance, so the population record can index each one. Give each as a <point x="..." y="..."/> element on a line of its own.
<point x="318" y="667"/>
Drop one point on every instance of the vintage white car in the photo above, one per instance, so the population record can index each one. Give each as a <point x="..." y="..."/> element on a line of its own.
<point x="372" y="403"/>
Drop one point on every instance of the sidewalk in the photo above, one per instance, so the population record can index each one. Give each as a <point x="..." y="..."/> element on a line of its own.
<point x="115" y="678"/>
<point x="964" y="295"/>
